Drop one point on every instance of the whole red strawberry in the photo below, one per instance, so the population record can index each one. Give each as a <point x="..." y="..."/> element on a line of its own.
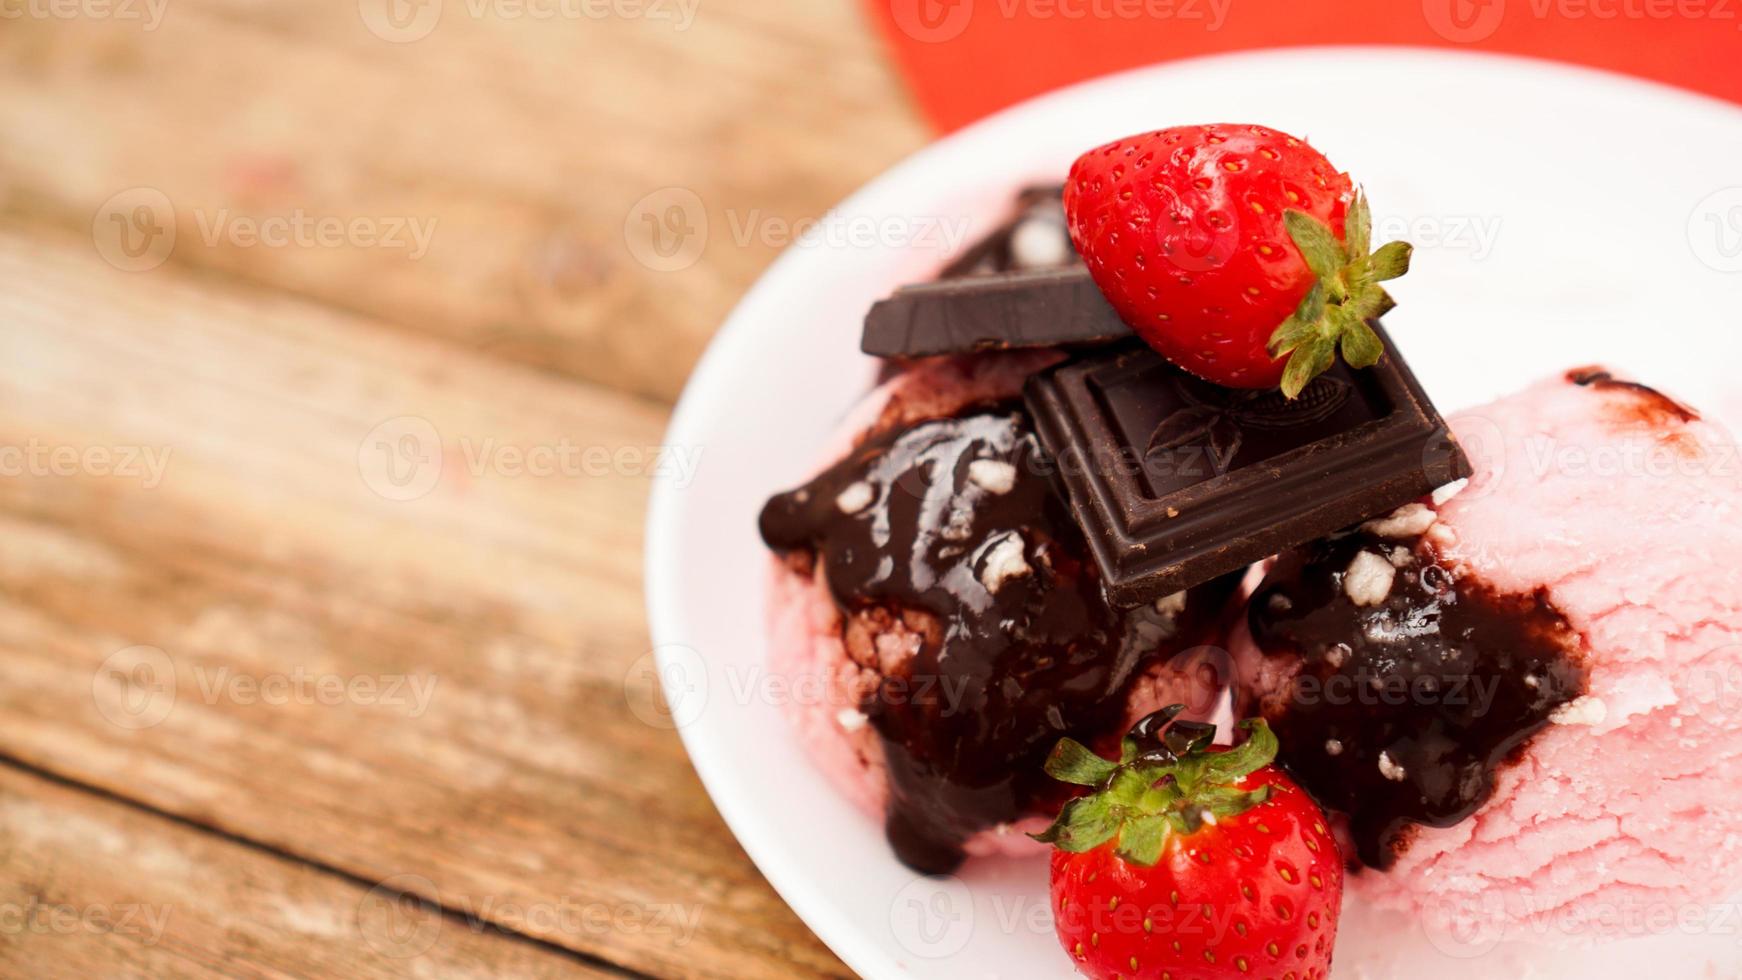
<point x="1189" y="862"/>
<point x="1229" y="247"/>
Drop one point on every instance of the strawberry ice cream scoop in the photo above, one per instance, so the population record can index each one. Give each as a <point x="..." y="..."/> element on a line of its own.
<point x="940" y="625"/>
<point x="1525" y="697"/>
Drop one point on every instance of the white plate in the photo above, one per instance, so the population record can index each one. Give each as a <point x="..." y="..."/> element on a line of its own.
<point x="1561" y="217"/>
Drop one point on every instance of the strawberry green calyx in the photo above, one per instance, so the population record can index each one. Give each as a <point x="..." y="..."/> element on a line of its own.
<point x="1165" y="783"/>
<point x="1335" y="312"/>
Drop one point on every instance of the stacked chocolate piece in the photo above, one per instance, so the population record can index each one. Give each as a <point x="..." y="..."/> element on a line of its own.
<point x="1173" y="480"/>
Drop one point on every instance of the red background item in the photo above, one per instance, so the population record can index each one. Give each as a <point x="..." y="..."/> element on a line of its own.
<point x="966" y="58"/>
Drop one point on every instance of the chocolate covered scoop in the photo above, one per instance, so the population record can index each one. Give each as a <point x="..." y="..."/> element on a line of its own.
<point x="1415" y="683"/>
<point x="947" y="541"/>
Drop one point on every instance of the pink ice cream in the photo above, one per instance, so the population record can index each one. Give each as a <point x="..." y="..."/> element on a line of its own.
<point x="1621" y="511"/>
<point x="835" y="662"/>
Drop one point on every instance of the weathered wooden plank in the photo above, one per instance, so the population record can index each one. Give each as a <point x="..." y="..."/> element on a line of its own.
<point x="488" y="182"/>
<point x="173" y="631"/>
<point x="90" y="887"/>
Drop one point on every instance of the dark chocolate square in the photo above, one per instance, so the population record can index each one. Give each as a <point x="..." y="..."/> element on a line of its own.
<point x="1176" y="481"/>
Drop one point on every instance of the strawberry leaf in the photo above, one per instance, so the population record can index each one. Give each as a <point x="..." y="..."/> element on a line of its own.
<point x="1072" y="762"/>
<point x="1310" y="360"/>
<point x="1362" y="348"/>
<point x="1358" y="226"/>
<point x="1334" y="313"/>
<point x="1258" y="751"/>
<point x="1317" y="243"/>
<point x="1392" y="260"/>
<point x="1169" y="782"/>
<point x="1384" y="305"/>
<point x="1084" y="824"/>
<point x="1301" y="325"/>
<point x="1224" y="801"/>
<point x="1141" y="840"/>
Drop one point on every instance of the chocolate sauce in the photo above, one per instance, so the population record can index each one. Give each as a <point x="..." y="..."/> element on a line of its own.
<point x="1404" y="711"/>
<point x="949" y="535"/>
<point x="1654" y="407"/>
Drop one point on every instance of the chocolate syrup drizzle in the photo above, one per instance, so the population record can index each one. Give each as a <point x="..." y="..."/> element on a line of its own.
<point x="1656" y="406"/>
<point x="1403" y="712"/>
<point x="957" y="520"/>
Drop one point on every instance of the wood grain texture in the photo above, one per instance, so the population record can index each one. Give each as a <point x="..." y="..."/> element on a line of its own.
<point x="525" y="148"/>
<point x="347" y="616"/>
<point x="95" y="888"/>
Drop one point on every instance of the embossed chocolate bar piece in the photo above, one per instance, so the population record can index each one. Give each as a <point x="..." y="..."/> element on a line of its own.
<point x="1176" y="481"/>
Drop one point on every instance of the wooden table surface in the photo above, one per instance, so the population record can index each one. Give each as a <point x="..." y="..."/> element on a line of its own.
<point x="282" y="694"/>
